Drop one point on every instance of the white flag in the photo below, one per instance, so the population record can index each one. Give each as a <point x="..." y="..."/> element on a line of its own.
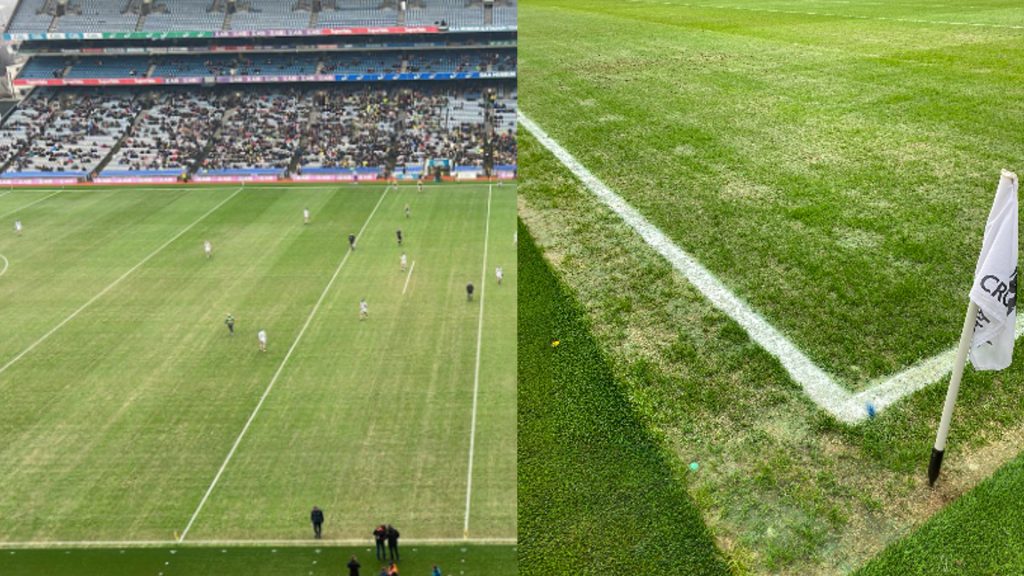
<point x="995" y="282"/>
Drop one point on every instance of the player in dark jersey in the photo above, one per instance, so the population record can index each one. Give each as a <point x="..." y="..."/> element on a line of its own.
<point x="352" y="241"/>
<point x="469" y="291"/>
<point x="230" y="323"/>
<point x="399" y="234"/>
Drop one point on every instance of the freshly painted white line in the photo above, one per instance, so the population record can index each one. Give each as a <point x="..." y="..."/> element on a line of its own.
<point x="87" y="544"/>
<point x="476" y="370"/>
<point x="113" y="284"/>
<point x="29" y="205"/>
<point x="816" y="383"/>
<point x="277" y="374"/>
<point x="6" y="264"/>
<point x="404" y="288"/>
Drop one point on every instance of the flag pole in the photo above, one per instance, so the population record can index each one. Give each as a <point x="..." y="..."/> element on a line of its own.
<point x="939" y="449"/>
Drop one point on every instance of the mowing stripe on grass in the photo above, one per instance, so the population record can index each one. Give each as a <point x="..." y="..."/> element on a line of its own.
<point x="851" y="16"/>
<point x="476" y="370"/>
<point x="277" y="374"/>
<point x="30" y="204"/>
<point x="408" y="277"/>
<point x="816" y="383"/>
<point x="87" y="544"/>
<point x="113" y="284"/>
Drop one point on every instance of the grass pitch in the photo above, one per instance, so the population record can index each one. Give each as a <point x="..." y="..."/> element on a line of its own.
<point x="833" y="164"/>
<point x="122" y="392"/>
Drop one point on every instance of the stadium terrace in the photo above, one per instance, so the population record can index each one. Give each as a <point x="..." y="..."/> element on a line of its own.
<point x="257" y="90"/>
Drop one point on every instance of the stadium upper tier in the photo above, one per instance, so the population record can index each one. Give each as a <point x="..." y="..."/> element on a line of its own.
<point x="269" y="64"/>
<point x="256" y="130"/>
<point x="39" y="16"/>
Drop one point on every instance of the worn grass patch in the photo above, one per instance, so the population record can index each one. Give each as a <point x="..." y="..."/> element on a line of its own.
<point x="598" y="493"/>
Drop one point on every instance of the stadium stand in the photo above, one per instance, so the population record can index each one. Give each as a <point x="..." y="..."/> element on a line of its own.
<point x="236" y="108"/>
<point x="74" y="140"/>
<point x="170" y="136"/>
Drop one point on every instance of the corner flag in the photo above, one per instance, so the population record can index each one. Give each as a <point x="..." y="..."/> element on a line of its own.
<point x="989" y="327"/>
<point x="995" y="282"/>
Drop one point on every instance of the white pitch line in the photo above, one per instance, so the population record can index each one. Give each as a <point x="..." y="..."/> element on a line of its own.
<point x="277" y="374"/>
<point x="88" y="544"/>
<point x="6" y="264"/>
<point x="115" y="283"/>
<point x="476" y="370"/>
<point x="409" y="276"/>
<point x="29" y="205"/>
<point x="816" y="383"/>
<point x="6" y="193"/>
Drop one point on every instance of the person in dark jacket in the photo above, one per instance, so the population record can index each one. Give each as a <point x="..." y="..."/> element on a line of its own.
<point x="399" y="234"/>
<point x="353" y="567"/>
<point x="317" y="517"/>
<point x="380" y="533"/>
<point x="469" y="291"/>
<point x="393" y="542"/>
<point x="351" y="241"/>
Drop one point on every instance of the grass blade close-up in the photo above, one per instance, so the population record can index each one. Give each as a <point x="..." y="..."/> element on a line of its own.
<point x="830" y="165"/>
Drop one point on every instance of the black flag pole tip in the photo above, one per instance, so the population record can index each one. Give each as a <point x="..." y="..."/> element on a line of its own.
<point x="934" y="466"/>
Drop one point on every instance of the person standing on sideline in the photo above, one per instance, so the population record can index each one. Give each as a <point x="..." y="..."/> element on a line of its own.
<point x="317" y="517"/>
<point x="419" y="184"/>
<point x="305" y="215"/>
<point x="393" y="542"/>
<point x="380" y="534"/>
<point x="208" y="248"/>
<point x="469" y="292"/>
<point x="351" y="241"/>
<point x="353" y="566"/>
<point x="261" y="336"/>
<point x="230" y="323"/>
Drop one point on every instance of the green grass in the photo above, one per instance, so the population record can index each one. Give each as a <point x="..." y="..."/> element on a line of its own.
<point x="113" y="427"/>
<point x="599" y="495"/>
<point x="844" y="162"/>
<point x="833" y="171"/>
<point x="264" y="561"/>
<point x="981" y="533"/>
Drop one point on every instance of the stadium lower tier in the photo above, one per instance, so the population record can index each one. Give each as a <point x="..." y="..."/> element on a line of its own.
<point x="309" y="132"/>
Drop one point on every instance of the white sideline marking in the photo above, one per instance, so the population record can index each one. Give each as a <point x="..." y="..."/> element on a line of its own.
<point x="86" y="544"/>
<point x="6" y="264"/>
<point x="29" y="205"/>
<point x="114" y="283"/>
<point x="476" y="371"/>
<point x="413" y="265"/>
<point x="817" y="384"/>
<point x="859" y="17"/>
<point x="277" y="374"/>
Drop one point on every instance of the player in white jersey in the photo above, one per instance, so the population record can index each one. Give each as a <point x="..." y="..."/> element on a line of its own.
<point x="364" y="309"/>
<point x="404" y="261"/>
<point x="261" y="337"/>
<point x="17" y="227"/>
<point x="305" y="215"/>
<point x="208" y="248"/>
<point x="500" y="274"/>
